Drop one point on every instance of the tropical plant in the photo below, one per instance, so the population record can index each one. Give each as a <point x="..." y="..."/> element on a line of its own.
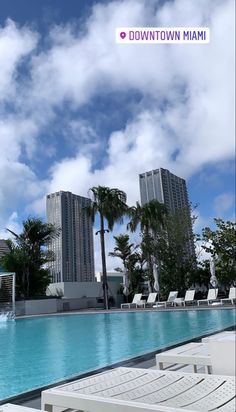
<point x="174" y="248"/>
<point x="220" y="243"/>
<point x="110" y="205"/>
<point x="130" y="258"/>
<point x="123" y="249"/>
<point x="151" y="219"/>
<point x="28" y="255"/>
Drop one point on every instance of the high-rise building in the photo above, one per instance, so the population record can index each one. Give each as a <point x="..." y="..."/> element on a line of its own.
<point x="3" y="247"/>
<point x="167" y="188"/>
<point x="73" y="249"/>
<point x="3" y="250"/>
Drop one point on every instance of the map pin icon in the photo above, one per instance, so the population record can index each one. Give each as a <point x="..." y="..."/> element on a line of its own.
<point x="122" y="35"/>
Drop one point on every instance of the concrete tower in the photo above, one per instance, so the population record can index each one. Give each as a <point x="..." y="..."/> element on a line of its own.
<point x="73" y="249"/>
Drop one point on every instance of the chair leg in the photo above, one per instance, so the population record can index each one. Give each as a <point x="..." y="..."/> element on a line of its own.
<point x="195" y="368"/>
<point x="161" y="365"/>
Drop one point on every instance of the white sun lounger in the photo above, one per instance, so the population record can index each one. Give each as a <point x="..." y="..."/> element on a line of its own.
<point x="10" y="407"/>
<point x="136" y="299"/>
<point x="211" y="297"/>
<point x="232" y="296"/>
<point x="144" y="390"/>
<point x="196" y="354"/>
<point x="170" y="301"/>
<point x="189" y="298"/>
<point x="150" y="300"/>
<point x="220" y="335"/>
<point x="223" y="355"/>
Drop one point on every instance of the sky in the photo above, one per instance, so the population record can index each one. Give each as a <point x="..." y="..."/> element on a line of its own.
<point x="78" y="110"/>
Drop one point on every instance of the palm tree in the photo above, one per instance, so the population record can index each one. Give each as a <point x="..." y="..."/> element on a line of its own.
<point x="30" y="254"/>
<point x="124" y="251"/>
<point x="110" y="204"/>
<point x="151" y="218"/>
<point x="122" y="248"/>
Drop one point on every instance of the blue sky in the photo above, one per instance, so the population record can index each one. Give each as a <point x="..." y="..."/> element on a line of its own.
<point x="78" y="110"/>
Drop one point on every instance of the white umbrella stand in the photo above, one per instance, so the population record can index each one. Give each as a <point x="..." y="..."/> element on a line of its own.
<point x="126" y="283"/>
<point x="213" y="278"/>
<point x="156" y="273"/>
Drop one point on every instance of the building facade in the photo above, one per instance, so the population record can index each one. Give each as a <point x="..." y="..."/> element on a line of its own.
<point x="73" y="248"/>
<point x="169" y="189"/>
<point x="3" y="249"/>
<point x="112" y="277"/>
<point x="164" y="186"/>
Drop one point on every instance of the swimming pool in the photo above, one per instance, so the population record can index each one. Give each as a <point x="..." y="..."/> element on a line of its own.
<point x="38" y="351"/>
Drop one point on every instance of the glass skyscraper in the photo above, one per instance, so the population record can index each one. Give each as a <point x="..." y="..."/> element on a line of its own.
<point x="167" y="188"/>
<point x="73" y="249"/>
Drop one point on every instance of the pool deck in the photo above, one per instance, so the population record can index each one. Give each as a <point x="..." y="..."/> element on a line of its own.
<point x="145" y="361"/>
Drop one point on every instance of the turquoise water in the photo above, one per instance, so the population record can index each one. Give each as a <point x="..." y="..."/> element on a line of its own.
<point x="38" y="351"/>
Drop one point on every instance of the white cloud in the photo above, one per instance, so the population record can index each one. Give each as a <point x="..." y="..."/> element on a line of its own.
<point x="15" y="44"/>
<point x="18" y="186"/>
<point x="200" y="222"/>
<point x="13" y="224"/>
<point x="224" y="202"/>
<point x="196" y="82"/>
<point x="188" y="124"/>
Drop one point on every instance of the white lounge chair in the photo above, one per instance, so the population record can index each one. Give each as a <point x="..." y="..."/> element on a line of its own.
<point x="10" y="407"/>
<point x="170" y="301"/>
<point x="219" y="335"/>
<point x="196" y="354"/>
<point x="144" y="390"/>
<point x="232" y="296"/>
<point x="222" y="353"/>
<point x="136" y="299"/>
<point x="189" y="298"/>
<point x="150" y="300"/>
<point x="211" y="297"/>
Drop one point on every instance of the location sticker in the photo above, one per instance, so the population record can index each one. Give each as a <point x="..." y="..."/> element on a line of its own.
<point x="122" y="35"/>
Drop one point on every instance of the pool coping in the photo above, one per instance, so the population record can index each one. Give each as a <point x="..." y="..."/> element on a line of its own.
<point x="36" y="393"/>
<point x="94" y="311"/>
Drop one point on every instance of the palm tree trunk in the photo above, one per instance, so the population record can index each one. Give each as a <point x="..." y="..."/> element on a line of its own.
<point x="104" y="268"/>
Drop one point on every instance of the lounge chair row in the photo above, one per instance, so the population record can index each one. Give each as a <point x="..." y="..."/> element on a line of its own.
<point x="173" y="300"/>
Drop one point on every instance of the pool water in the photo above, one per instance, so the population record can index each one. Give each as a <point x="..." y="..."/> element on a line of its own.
<point x="38" y="351"/>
